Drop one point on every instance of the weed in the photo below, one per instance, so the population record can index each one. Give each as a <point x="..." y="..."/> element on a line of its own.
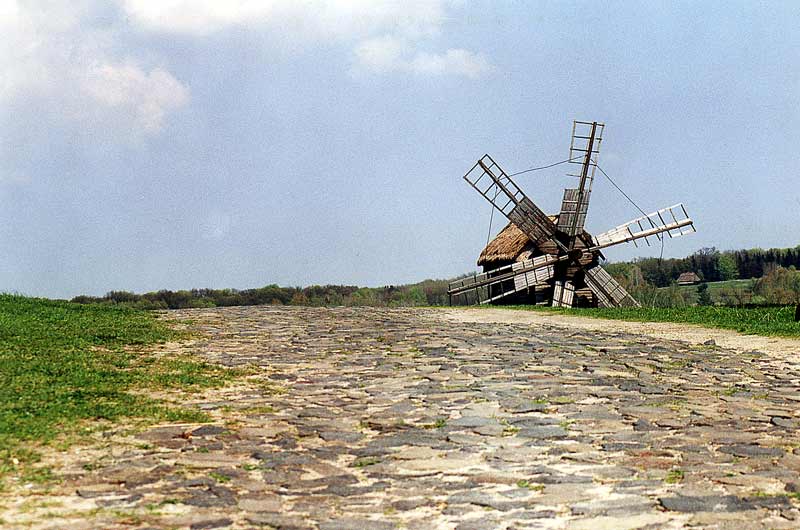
<point x="674" y="476"/>
<point x="510" y="430"/>
<point x="530" y="485"/>
<point x="366" y="461"/>
<point x="219" y="477"/>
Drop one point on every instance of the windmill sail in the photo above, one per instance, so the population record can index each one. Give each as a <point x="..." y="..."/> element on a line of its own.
<point x="496" y="186"/>
<point x="609" y="293"/>
<point x="563" y="294"/>
<point x="583" y="150"/>
<point x="503" y="281"/>
<point x="673" y="220"/>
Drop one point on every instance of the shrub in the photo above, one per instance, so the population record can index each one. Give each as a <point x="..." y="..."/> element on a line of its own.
<point x="779" y="286"/>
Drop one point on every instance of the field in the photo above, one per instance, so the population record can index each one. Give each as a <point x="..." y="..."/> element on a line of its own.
<point x="768" y="321"/>
<point x="717" y="289"/>
<point x="63" y="363"/>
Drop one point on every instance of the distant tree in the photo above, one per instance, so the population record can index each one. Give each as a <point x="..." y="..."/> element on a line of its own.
<point x="703" y="296"/>
<point x="727" y="267"/>
<point x="779" y="286"/>
<point x="706" y="262"/>
<point x="299" y="298"/>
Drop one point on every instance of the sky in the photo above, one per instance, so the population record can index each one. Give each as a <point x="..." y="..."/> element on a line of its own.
<point x="172" y="144"/>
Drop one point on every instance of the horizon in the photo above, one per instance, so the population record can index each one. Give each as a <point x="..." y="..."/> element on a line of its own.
<point x="395" y="285"/>
<point x="152" y="145"/>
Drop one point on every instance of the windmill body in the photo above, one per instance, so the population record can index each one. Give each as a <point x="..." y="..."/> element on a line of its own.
<point x="552" y="260"/>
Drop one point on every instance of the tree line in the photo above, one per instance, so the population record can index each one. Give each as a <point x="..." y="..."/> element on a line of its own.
<point x="641" y="277"/>
<point x="713" y="265"/>
<point x="428" y="292"/>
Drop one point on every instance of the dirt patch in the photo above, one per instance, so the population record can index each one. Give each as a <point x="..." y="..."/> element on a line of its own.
<point x="783" y="348"/>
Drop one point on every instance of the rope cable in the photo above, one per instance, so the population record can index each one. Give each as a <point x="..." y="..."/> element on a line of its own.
<point x="620" y="189"/>
<point x="545" y="167"/>
<point x="491" y="218"/>
<point x="491" y="215"/>
<point x="659" y="236"/>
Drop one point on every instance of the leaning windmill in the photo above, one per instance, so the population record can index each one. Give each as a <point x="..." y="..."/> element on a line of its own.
<point x="560" y="264"/>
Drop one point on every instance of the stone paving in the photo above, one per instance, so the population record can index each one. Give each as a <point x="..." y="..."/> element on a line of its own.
<point x="371" y="418"/>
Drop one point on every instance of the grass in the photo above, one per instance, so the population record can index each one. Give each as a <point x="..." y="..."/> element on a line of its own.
<point x="674" y="476"/>
<point x="63" y="364"/>
<point x="526" y="484"/>
<point x="366" y="461"/>
<point x="715" y="289"/>
<point x="768" y="321"/>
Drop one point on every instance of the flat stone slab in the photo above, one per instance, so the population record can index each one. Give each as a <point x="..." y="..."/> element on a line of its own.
<point x="399" y="418"/>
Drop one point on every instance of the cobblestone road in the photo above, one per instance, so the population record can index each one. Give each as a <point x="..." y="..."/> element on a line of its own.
<point x="400" y="418"/>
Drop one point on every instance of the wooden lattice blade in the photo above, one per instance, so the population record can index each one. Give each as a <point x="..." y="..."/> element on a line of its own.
<point x="570" y="209"/>
<point x="494" y="185"/>
<point x="501" y="282"/>
<point x="563" y="294"/>
<point x="673" y="220"/>
<point x="583" y="150"/>
<point x="608" y="292"/>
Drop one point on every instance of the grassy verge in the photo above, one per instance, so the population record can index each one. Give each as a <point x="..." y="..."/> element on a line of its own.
<point x="62" y="364"/>
<point x="769" y="321"/>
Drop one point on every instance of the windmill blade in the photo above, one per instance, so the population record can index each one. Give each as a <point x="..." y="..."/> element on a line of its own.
<point x="673" y="220"/>
<point x="563" y="294"/>
<point x="496" y="186"/>
<point x="609" y="293"/>
<point x="583" y="150"/>
<point x="501" y="282"/>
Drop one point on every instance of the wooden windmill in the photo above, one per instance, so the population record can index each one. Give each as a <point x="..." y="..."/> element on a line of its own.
<point x="562" y="265"/>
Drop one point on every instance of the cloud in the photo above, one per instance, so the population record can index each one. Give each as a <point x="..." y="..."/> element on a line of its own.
<point x="382" y="54"/>
<point x="57" y="59"/>
<point x="387" y="54"/>
<point x="384" y="35"/>
<point x="321" y="18"/>
<point x="144" y="96"/>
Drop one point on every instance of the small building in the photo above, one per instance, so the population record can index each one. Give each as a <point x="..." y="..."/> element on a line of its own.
<point x="688" y="278"/>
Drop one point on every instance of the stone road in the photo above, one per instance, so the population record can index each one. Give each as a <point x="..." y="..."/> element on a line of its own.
<point x="370" y="418"/>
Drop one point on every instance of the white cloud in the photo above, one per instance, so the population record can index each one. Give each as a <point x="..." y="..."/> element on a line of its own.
<point x="321" y="18"/>
<point x="454" y="61"/>
<point x="145" y="97"/>
<point x="386" y="54"/>
<point x="385" y="34"/>
<point x="52" y="59"/>
<point x="382" y="54"/>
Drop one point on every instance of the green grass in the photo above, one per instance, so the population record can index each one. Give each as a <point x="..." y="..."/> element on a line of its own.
<point x="768" y="321"/>
<point x="62" y="364"/>
<point x="674" y="476"/>
<point x="715" y="290"/>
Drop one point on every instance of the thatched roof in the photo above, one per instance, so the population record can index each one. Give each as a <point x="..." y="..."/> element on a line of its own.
<point x="513" y="245"/>
<point x="688" y="278"/>
<point x="508" y="245"/>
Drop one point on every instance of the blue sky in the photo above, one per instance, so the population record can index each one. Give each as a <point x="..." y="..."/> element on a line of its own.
<point x="173" y="144"/>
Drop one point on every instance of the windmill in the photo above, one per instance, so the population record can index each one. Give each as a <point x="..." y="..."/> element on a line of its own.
<point x="562" y="268"/>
